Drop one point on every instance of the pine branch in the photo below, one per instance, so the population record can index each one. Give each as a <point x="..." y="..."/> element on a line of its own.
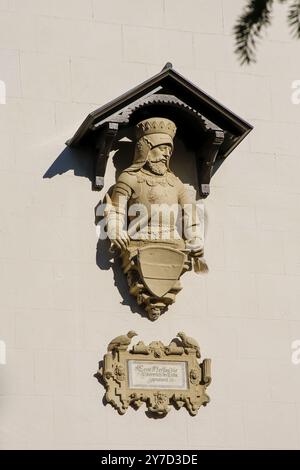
<point x="248" y="28"/>
<point x="294" y="18"/>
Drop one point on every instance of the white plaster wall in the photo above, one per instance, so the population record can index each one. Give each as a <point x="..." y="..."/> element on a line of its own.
<point x="60" y="59"/>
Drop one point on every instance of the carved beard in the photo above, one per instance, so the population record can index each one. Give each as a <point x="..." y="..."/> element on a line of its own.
<point x="158" y="168"/>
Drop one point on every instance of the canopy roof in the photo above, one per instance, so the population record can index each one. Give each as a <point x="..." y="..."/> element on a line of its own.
<point x="168" y="82"/>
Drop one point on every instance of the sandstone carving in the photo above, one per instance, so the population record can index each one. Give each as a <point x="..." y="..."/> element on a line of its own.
<point x="152" y="220"/>
<point x="159" y="376"/>
<point x="189" y="343"/>
<point x="121" y="342"/>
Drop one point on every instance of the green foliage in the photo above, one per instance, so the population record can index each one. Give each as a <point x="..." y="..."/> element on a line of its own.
<point x="294" y="18"/>
<point x="256" y="17"/>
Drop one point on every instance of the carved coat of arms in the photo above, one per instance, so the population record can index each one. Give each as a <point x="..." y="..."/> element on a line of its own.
<point x="155" y="374"/>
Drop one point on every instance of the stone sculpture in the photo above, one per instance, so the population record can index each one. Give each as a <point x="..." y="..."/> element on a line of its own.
<point x="152" y="220"/>
<point x="122" y="341"/>
<point x="156" y="375"/>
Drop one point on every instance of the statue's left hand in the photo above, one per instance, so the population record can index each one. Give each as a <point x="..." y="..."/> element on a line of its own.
<point x="197" y="253"/>
<point x="196" y="247"/>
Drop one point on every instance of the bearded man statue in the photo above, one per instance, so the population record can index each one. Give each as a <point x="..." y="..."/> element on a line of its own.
<point x="152" y="220"/>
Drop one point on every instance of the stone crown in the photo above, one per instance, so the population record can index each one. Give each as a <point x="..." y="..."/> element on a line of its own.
<point x="155" y="125"/>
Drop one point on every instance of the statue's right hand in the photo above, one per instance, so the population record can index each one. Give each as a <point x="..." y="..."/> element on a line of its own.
<point x="121" y="241"/>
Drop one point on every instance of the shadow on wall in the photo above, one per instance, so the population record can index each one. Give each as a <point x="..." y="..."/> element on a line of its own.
<point x="106" y="260"/>
<point x="80" y="160"/>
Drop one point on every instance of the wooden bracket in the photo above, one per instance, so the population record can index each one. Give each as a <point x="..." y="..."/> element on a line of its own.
<point x="103" y="146"/>
<point x="206" y="157"/>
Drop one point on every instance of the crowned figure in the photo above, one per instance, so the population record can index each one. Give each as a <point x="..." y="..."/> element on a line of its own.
<point x="152" y="220"/>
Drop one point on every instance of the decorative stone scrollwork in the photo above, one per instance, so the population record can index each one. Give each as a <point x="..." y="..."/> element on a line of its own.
<point x="159" y="376"/>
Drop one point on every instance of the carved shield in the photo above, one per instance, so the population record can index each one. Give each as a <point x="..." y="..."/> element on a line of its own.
<point x="160" y="268"/>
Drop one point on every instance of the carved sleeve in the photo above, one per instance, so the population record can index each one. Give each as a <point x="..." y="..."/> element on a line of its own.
<point x="193" y="223"/>
<point x="117" y="215"/>
<point x="122" y="191"/>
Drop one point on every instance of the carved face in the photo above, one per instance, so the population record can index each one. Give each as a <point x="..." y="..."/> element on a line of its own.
<point x="158" y="159"/>
<point x="154" y="313"/>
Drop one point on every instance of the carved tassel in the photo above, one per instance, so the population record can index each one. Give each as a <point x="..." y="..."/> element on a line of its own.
<point x="200" y="265"/>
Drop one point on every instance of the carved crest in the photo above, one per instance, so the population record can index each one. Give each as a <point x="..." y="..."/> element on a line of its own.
<point x="159" y="376"/>
<point x="160" y="268"/>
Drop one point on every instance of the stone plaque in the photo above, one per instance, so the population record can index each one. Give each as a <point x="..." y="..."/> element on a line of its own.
<point x="157" y="374"/>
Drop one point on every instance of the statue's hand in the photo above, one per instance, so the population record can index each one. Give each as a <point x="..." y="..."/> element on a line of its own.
<point x="197" y="253"/>
<point x="195" y="246"/>
<point x="121" y="241"/>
